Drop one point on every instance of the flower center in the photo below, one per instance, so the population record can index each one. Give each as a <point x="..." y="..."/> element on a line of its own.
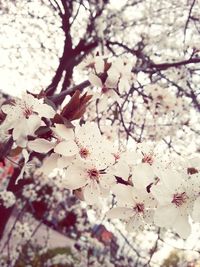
<point x="27" y="111"/>
<point x="94" y="174"/>
<point x="84" y="152"/>
<point x="148" y="159"/>
<point x="116" y="156"/>
<point x="192" y="171"/>
<point x="179" y="199"/>
<point x="139" y="208"/>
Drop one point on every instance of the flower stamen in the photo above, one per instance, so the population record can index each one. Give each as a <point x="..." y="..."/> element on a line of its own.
<point x="139" y="208"/>
<point x="179" y="199"/>
<point x="94" y="174"/>
<point x="84" y="152"/>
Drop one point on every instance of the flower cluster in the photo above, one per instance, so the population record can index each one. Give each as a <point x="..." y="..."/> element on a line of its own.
<point x="7" y="198"/>
<point x="24" y="117"/>
<point x="150" y="188"/>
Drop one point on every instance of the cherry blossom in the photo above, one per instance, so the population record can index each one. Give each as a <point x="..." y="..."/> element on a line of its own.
<point x="175" y="194"/>
<point x="119" y="74"/>
<point x="24" y="116"/>
<point x="93" y="177"/>
<point x="134" y="207"/>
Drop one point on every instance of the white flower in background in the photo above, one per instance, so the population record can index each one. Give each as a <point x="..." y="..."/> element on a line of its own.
<point x="22" y="231"/>
<point x="175" y="194"/>
<point x="97" y="63"/>
<point x="110" y="131"/>
<point x="101" y="25"/>
<point x="24" y="117"/>
<point x="29" y="192"/>
<point x="134" y="207"/>
<point x="120" y="74"/>
<point x="93" y="177"/>
<point x="8" y="198"/>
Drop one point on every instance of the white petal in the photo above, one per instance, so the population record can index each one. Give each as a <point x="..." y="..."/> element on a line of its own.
<point x="196" y="210"/>
<point x="49" y="164"/>
<point x="120" y="213"/>
<point x="123" y="194"/>
<point x="33" y="122"/>
<point x="107" y="180"/>
<point x="112" y="79"/>
<point x="99" y="64"/>
<point x="40" y="145"/>
<point x="122" y="170"/>
<point x="134" y="223"/>
<point x="74" y="177"/>
<point x="163" y="196"/>
<point x="91" y="192"/>
<point x="26" y="158"/>
<point x="66" y="148"/>
<point x="63" y="162"/>
<point x="94" y="80"/>
<point x="182" y="226"/>
<point x="171" y="179"/>
<point x="6" y="108"/>
<point x="20" y="129"/>
<point x="194" y="162"/>
<point x="44" y="110"/>
<point x="148" y="216"/>
<point x="64" y="132"/>
<point x="165" y="216"/>
<point x="143" y="175"/>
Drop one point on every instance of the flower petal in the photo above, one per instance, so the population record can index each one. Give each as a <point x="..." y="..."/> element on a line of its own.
<point x="94" y="80"/>
<point x="64" y="132"/>
<point x="91" y="192"/>
<point x="196" y="210"/>
<point x="74" y="177"/>
<point x="123" y="194"/>
<point x="120" y="213"/>
<point x="99" y="64"/>
<point x="143" y="175"/>
<point x="182" y="226"/>
<point x="66" y="148"/>
<point x="122" y="170"/>
<point x="165" y="216"/>
<point x="63" y="162"/>
<point x="40" y="145"/>
<point x="20" y="129"/>
<point x="33" y="122"/>
<point x="49" y="164"/>
<point x="134" y="223"/>
<point x="44" y="110"/>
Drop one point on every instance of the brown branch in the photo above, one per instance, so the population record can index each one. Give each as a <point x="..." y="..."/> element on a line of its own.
<point x="56" y="98"/>
<point x="188" y="18"/>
